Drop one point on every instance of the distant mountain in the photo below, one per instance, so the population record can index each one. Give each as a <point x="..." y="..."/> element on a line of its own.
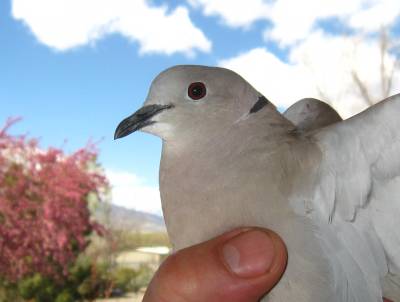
<point x="121" y="218"/>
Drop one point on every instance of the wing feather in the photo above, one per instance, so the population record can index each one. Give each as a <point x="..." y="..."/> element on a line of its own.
<point x="358" y="192"/>
<point x="359" y="152"/>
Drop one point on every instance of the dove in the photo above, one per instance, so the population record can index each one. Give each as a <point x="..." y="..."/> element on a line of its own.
<point x="329" y="188"/>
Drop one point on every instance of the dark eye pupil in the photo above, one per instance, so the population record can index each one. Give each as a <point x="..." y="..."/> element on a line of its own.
<point x="197" y="90"/>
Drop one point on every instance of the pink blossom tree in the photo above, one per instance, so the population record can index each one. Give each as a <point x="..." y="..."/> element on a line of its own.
<point x="44" y="215"/>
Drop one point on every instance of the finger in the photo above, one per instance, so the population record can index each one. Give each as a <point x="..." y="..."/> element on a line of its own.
<point x="239" y="266"/>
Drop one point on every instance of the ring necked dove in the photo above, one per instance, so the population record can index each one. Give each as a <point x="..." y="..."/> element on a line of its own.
<point x="330" y="188"/>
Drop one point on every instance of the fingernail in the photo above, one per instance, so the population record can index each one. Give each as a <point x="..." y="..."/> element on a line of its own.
<point x="249" y="254"/>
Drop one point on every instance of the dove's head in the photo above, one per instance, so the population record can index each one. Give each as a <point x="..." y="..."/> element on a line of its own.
<point x="193" y="101"/>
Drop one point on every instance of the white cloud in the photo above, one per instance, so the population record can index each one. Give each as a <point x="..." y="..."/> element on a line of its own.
<point x="332" y="59"/>
<point x="380" y="13"/>
<point x="282" y="83"/>
<point x="234" y="13"/>
<point x="65" y="24"/>
<point x="130" y="191"/>
<point x="292" y="21"/>
<point x="321" y="61"/>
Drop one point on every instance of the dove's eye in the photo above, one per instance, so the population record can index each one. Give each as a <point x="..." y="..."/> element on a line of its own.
<point x="197" y="91"/>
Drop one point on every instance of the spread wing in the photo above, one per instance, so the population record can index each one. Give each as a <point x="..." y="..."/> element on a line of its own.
<point x="359" y="189"/>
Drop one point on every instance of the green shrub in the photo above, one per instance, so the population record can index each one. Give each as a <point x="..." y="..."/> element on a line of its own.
<point x="65" y="296"/>
<point x="124" y="279"/>
<point x="86" y="281"/>
<point x="37" y="288"/>
<point x="131" y="280"/>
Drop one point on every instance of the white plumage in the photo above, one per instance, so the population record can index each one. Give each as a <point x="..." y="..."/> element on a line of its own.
<point x="330" y="188"/>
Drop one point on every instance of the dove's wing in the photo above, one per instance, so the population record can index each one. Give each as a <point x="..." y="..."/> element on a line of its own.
<point x="359" y="189"/>
<point x="309" y="114"/>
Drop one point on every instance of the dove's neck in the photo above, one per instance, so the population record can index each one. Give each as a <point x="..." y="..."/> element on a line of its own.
<point x="267" y="127"/>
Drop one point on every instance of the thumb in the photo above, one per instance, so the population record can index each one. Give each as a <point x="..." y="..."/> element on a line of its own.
<point x="239" y="266"/>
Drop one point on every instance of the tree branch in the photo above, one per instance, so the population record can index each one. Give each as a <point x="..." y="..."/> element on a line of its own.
<point x="362" y="87"/>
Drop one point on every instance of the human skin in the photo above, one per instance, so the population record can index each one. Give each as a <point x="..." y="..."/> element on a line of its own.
<point x="239" y="266"/>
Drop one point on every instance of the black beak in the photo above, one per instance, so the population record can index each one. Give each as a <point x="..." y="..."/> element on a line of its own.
<point x="139" y="119"/>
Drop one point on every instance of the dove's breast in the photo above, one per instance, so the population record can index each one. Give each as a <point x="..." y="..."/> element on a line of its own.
<point x="209" y="192"/>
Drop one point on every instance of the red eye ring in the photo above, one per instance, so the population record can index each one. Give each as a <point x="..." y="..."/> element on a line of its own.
<point x="197" y="91"/>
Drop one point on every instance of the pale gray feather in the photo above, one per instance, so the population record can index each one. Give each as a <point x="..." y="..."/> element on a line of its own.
<point x="310" y="114"/>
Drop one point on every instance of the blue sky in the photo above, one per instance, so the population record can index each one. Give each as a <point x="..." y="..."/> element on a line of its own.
<point x="73" y="73"/>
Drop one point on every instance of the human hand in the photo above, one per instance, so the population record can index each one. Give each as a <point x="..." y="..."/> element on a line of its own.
<point x="239" y="266"/>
